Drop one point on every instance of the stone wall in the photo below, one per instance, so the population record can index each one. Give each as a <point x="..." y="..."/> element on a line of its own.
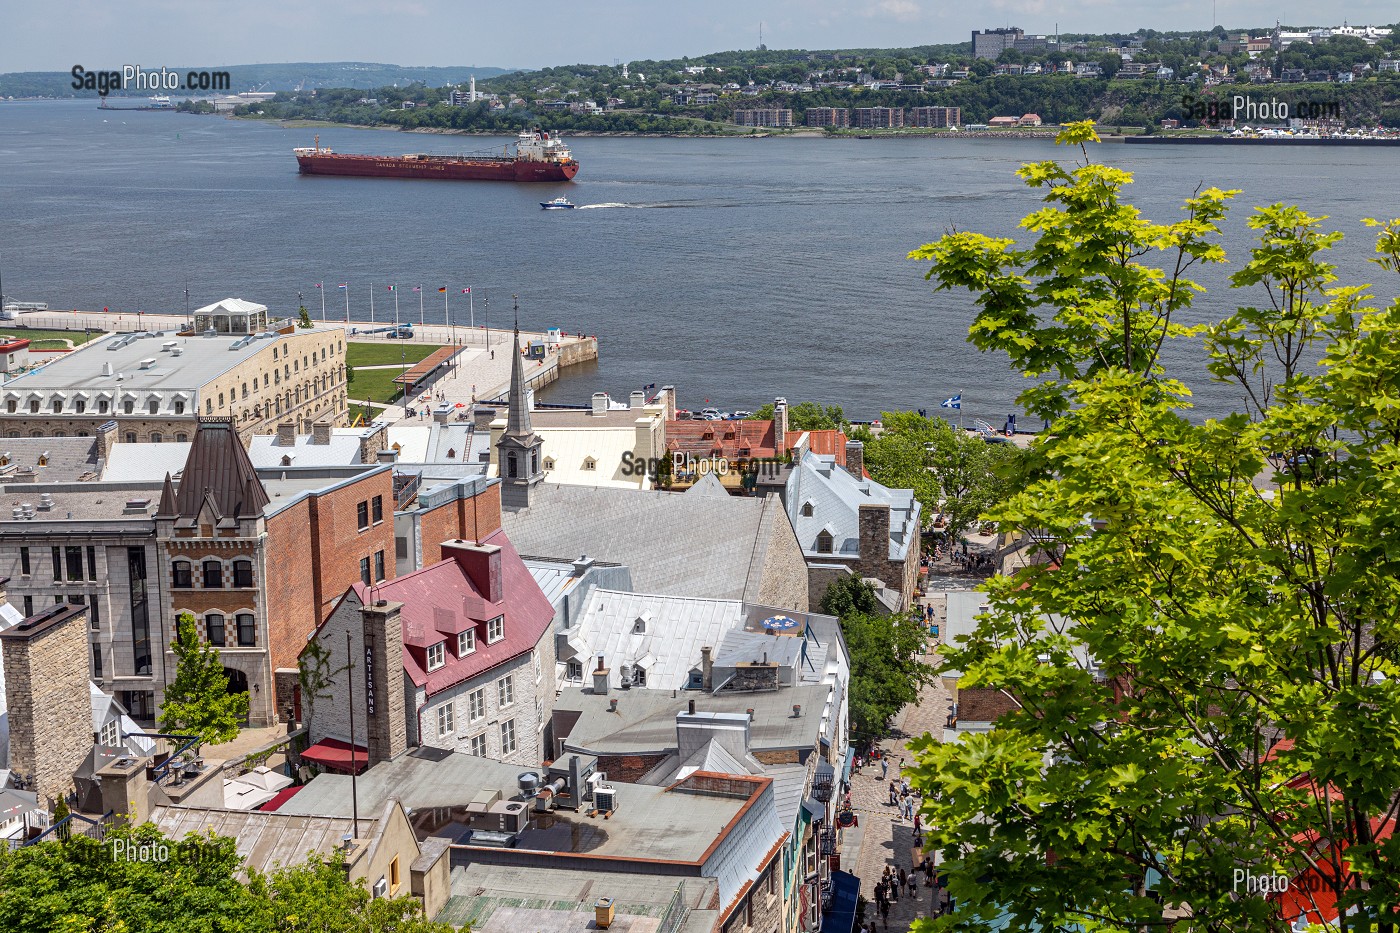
<point x="783" y="583"/>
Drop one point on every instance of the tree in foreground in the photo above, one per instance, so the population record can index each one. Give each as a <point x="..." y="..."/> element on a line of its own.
<point x="198" y="701"/>
<point x="887" y="669"/>
<point x="1207" y="658"/>
<point x="178" y="886"/>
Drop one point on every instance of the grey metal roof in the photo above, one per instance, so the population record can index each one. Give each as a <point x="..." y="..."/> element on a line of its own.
<point x="68" y="457"/>
<point x="142" y="462"/>
<point x="836" y="497"/>
<point x="679" y="545"/>
<point x="265" y="840"/>
<point x="645" y="720"/>
<point x="344" y="447"/>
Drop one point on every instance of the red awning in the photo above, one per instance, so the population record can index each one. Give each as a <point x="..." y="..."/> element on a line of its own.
<point x="283" y="795"/>
<point x="336" y="755"/>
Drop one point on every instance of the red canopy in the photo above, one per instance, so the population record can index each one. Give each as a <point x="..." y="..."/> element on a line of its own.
<point x="336" y="755"/>
<point x="283" y="795"/>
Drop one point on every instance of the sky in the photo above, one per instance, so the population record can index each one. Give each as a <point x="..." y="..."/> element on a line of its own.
<point x="56" y="35"/>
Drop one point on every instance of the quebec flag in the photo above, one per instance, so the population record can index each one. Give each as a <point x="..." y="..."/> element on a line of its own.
<point x="954" y="402"/>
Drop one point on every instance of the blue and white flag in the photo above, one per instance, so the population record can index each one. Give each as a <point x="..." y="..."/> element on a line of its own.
<point x="954" y="402"/>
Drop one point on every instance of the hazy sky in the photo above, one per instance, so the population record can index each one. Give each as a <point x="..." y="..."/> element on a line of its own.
<point x="55" y="35"/>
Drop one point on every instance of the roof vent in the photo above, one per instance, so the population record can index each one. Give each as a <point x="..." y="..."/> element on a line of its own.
<point x="168" y="346"/>
<point x="147" y="363"/>
<point x="176" y="351"/>
<point x="136" y="506"/>
<point x="107" y="368"/>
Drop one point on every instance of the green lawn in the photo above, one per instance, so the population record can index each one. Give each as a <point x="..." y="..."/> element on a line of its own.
<point x="49" y="339"/>
<point x="375" y="385"/>
<point x="386" y="353"/>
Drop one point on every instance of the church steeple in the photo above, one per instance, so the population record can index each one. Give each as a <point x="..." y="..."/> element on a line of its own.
<point x="518" y="450"/>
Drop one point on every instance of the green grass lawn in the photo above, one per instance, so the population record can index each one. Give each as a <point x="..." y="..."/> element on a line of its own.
<point x="49" y="339"/>
<point x="375" y="385"/>
<point x="385" y="353"/>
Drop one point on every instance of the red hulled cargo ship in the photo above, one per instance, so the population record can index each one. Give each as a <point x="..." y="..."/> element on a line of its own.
<point x="537" y="157"/>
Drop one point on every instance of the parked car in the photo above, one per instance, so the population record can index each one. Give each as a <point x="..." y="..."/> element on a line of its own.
<point x="709" y="414"/>
<point x="740" y="414"/>
<point x="684" y="414"/>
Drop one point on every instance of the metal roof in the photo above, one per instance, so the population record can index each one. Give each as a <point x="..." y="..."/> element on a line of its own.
<point x="836" y="497"/>
<point x="264" y="840"/>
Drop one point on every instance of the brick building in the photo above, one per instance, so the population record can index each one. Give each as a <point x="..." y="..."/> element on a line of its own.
<point x="877" y="118"/>
<point x="47" y="693"/>
<point x="828" y="116"/>
<point x="155" y="386"/>
<point x="935" y="116"/>
<point x="772" y="116"/>
<point x="258" y="557"/>
<point x="461" y="651"/>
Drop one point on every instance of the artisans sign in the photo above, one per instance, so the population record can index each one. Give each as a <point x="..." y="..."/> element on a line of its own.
<point x="369" y="677"/>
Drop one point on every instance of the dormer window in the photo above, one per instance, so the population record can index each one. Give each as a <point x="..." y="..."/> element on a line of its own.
<point x="807" y="509"/>
<point x="495" y="630"/>
<point x="589" y="463"/>
<point x="466" y="642"/>
<point x="549" y="463"/>
<point x="639" y="676"/>
<point x="437" y="655"/>
<point x="639" y="625"/>
<point x="824" y="542"/>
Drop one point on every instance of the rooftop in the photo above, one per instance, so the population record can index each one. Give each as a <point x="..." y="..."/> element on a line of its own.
<point x="95" y="366"/>
<point x="835" y="498"/>
<point x="265" y="840"/>
<point x="49" y="459"/>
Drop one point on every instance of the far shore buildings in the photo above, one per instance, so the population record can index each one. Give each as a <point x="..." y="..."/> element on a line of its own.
<point x="775" y="117"/>
<point x="828" y="116"/>
<point x="934" y="116"/>
<point x="874" y="118"/>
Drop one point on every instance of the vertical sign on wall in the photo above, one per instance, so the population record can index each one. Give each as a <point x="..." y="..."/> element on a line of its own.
<point x="369" y="675"/>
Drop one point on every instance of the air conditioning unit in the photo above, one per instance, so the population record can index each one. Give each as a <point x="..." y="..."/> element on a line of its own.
<point x="514" y="815"/>
<point x="605" y="797"/>
<point x="381" y="888"/>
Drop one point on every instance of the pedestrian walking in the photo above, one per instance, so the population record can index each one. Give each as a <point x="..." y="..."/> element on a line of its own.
<point x="885" y="914"/>
<point x="903" y="880"/>
<point x="894" y="798"/>
<point x="884" y="768"/>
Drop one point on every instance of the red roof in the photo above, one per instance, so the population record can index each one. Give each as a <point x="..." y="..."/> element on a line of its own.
<point x="441" y="601"/>
<point x="731" y="439"/>
<point x="828" y="442"/>
<point x="336" y="755"/>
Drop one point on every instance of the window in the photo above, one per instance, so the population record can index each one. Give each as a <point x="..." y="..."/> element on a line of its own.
<point x="365" y="578"/>
<point x="437" y="655"/>
<point x="73" y="558"/>
<point x="507" y="737"/>
<point x="157" y="437"/>
<point x="140" y="616"/>
<point x="243" y="573"/>
<point x="394" y="875"/>
<point x="28" y="606"/>
<point x="97" y="669"/>
<point x="589" y="463"/>
<point x="153" y="406"/>
<point x="512" y="468"/>
<point x="824" y="542"/>
<point x="573" y="670"/>
<point x="208" y="406"/>
<point x="444" y="719"/>
<point x="34" y="406"/>
<point x="80" y="406"/>
<point x="807" y="509"/>
<point x="378" y="505"/>
<point x="102" y="407"/>
<point x="214" y="628"/>
<point x="182" y="438"/>
<point x="221" y="400"/>
<point x="24" y="567"/>
<point x="505" y="690"/>
<point x="362" y="513"/>
<point x="247" y="630"/>
<point x="213" y="575"/>
<point x="466" y="642"/>
<point x="111" y="731"/>
<point x="131" y="437"/>
<point x="11" y="406"/>
<point x="94" y="615"/>
<point x="495" y="630"/>
<point x="92" y="562"/>
<point x="180" y="575"/>
<point x="476" y="704"/>
<point x="478" y="745"/>
<point x="57" y="556"/>
<point x="179" y="407"/>
<point x="379" y="566"/>
<point x="58" y="407"/>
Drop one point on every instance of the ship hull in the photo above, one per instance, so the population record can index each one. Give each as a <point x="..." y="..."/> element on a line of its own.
<point x="363" y="166"/>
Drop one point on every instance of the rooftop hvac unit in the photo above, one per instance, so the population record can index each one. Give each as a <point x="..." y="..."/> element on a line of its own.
<point x="514" y="816"/>
<point x="381" y="887"/>
<point x="605" y="797"/>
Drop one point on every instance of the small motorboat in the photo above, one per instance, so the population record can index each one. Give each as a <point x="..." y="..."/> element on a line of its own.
<point x="558" y="204"/>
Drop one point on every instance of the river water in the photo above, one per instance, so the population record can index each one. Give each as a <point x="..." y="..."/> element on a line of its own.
<point x="735" y="269"/>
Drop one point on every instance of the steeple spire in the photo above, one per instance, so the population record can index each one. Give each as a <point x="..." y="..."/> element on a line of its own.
<point x="518" y="417"/>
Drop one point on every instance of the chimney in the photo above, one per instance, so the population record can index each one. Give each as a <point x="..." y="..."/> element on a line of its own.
<point x="106" y="437"/>
<point x="855" y="459"/>
<point x="638" y="399"/>
<point x="583" y="565"/>
<point x="780" y="425"/>
<point x="668" y="401"/>
<point x="600" y="403"/>
<point x="691" y="708"/>
<point x="600" y="678"/>
<point x="707" y="667"/>
<point x="372" y="441"/>
<point x="380" y="641"/>
<point x="286" y="434"/>
<point x="46" y="660"/>
<point x="482" y="416"/>
<point x="387" y="455"/>
<point x="874" y="542"/>
<point x="480" y="562"/>
<point x="321" y="433"/>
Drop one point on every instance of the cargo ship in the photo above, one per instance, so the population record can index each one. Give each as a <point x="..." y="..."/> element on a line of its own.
<point x="537" y="157"/>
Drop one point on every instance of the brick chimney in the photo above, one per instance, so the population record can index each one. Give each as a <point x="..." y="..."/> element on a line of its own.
<point x="381" y="667"/>
<point x="286" y="434"/>
<point x="480" y="562"/>
<point x="106" y="437"/>
<point x="780" y="425"/>
<point x="321" y="433"/>
<point x="46" y="661"/>
<point x="855" y="459"/>
<point x="600" y="678"/>
<point x="707" y="667"/>
<point x="875" y="531"/>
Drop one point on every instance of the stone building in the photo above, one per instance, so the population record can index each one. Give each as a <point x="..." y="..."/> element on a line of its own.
<point x="155" y="386"/>
<point x="847" y="523"/>
<point x="47" y="693"/>
<point x="462" y="652"/>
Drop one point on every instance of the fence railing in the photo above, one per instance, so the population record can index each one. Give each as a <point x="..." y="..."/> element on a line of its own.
<point x="675" y="912"/>
<point x="77" y="824"/>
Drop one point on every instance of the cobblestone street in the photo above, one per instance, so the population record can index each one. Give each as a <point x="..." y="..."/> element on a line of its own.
<point x="883" y="838"/>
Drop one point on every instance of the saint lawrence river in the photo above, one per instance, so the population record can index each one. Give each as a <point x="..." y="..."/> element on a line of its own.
<point x="735" y="269"/>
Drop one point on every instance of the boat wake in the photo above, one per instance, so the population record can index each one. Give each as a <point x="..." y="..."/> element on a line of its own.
<point x="585" y="207"/>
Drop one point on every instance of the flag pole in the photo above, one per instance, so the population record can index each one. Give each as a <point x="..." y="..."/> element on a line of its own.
<point x="395" y="289"/>
<point x="371" y="302"/>
<point x="420" y="305"/>
<point x="323" y="302"/>
<point x="347" y="302"/>
<point x="471" y="307"/>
